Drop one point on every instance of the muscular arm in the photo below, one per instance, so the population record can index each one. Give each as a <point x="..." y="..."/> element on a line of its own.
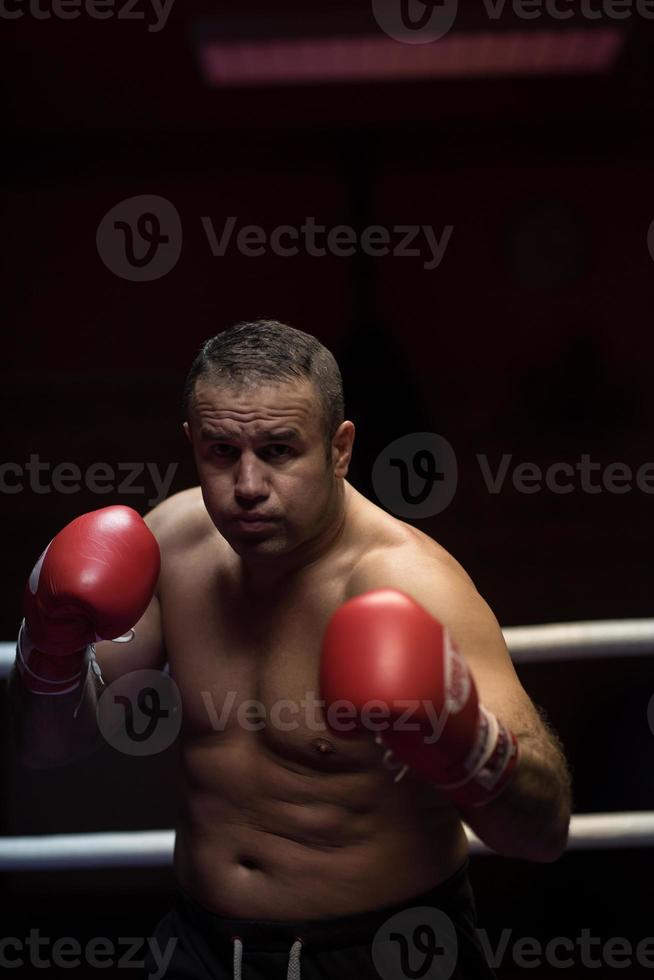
<point x="530" y="817"/>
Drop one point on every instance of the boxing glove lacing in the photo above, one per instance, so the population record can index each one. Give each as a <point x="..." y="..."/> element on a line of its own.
<point x="90" y="662"/>
<point x="23" y="637"/>
<point x="95" y="666"/>
<point x="390" y="762"/>
<point x="492" y="754"/>
<point x="293" y="970"/>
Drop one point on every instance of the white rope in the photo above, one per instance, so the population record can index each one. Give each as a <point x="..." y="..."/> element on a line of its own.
<point x="7" y="657"/>
<point x="532" y="644"/>
<point x="580" y="641"/>
<point x="49" y="852"/>
<point x="154" y="848"/>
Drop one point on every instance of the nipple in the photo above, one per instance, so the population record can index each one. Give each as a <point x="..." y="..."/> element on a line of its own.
<point x="323" y="745"/>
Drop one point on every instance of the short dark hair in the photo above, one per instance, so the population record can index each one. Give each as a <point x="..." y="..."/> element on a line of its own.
<point x="259" y="351"/>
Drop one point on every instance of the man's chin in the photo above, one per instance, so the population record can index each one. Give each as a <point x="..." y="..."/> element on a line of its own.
<point x="261" y="541"/>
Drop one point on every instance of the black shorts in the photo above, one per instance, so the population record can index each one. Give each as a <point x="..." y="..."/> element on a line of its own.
<point x="431" y="936"/>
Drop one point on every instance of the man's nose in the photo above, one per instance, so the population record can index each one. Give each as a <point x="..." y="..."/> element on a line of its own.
<point x="250" y="483"/>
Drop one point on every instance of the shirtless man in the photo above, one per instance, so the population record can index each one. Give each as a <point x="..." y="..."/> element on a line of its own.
<point x="296" y="840"/>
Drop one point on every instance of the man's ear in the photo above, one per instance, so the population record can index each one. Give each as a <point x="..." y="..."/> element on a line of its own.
<point x="342" y="448"/>
<point x="187" y="430"/>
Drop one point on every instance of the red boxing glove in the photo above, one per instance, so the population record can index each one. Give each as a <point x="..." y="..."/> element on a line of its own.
<point x="94" y="581"/>
<point x="384" y="646"/>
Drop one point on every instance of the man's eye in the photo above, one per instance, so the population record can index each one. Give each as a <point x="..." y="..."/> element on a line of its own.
<point x="279" y="451"/>
<point x="223" y="450"/>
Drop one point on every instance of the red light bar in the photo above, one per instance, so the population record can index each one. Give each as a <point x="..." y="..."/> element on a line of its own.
<point x="324" y="60"/>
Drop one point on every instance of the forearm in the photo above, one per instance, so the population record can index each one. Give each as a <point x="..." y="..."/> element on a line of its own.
<point x="53" y="731"/>
<point x="531" y="816"/>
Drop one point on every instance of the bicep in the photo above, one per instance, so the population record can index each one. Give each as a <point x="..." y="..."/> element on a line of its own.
<point x="145" y="652"/>
<point x="479" y="638"/>
<point x="452" y="598"/>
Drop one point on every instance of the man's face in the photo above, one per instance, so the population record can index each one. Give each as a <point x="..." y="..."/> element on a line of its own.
<point x="260" y="455"/>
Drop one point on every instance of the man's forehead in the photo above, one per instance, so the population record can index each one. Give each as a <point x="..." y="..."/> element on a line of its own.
<point x="257" y="406"/>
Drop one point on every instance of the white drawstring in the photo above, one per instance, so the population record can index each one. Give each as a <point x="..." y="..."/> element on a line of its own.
<point x="293" y="971"/>
<point x="238" y="956"/>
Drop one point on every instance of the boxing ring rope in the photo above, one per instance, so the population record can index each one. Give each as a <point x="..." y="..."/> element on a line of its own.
<point x="580" y="641"/>
<point x="533" y="644"/>
<point x="527" y="644"/>
<point x="154" y="848"/>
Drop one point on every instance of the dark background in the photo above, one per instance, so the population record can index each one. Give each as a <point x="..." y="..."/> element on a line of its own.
<point x="533" y="338"/>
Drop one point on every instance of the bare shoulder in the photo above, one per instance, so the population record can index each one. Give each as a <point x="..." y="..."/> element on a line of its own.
<point x="394" y="550"/>
<point x="180" y="522"/>
<point x="400" y="557"/>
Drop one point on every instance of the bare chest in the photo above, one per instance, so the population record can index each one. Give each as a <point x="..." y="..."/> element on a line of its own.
<point x="248" y="673"/>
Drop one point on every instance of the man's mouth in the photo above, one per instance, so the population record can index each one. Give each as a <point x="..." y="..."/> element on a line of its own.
<point x="253" y="518"/>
